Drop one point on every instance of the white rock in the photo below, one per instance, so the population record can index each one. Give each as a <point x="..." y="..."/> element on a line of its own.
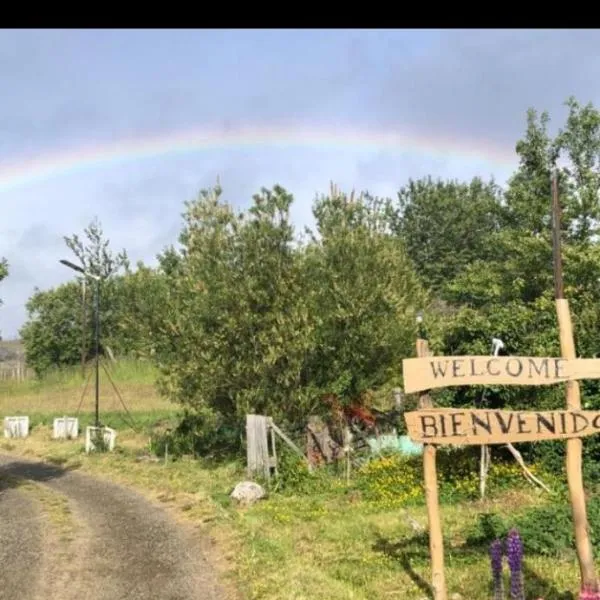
<point x="247" y="492"/>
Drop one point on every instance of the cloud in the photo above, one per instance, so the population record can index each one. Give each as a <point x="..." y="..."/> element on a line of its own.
<point x="70" y="88"/>
<point x="479" y="84"/>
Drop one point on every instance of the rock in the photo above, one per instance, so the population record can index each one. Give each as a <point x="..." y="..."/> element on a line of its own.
<point x="247" y="492"/>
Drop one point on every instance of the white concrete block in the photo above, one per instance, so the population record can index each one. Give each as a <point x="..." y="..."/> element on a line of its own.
<point x="16" y="427"/>
<point x="109" y="435"/>
<point x="66" y="428"/>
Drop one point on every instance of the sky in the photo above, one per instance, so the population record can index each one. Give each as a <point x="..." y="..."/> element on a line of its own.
<point x="127" y="125"/>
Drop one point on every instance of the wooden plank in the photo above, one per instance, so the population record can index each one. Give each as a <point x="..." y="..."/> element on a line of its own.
<point x="482" y="426"/>
<point x="257" y="446"/>
<point x="443" y="371"/>
<point x="436" y="538"/>
<point x="289" y="442"/>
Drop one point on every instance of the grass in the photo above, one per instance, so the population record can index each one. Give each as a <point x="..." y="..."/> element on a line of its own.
<point x="65" y="392"/>
<point x="329" y="544"/>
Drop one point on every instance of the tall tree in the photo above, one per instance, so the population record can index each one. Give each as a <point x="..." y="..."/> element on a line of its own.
<point x="509" y="294"/>
<point x="95" y="255"/>
<point x="67" y="315"/>
<point x="579" y="143"/>
<point x="52" y="334"/>
<point x="238" y="325"/>
<point x="445" y="225"/>
<point x="364" y="294"/>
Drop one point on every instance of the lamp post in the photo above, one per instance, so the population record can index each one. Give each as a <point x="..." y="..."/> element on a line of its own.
<point x="96" y="329"/>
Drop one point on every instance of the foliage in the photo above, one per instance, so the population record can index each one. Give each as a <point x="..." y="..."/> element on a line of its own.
<point x="446" y="225"/>
<point x="395" y="480"/>
<point x="95" y="256"/>
<point x="60" y="328"/>
<point x="538" y="538"/>
<point x="238" y="326"/>
<point x="260" y="322"/>
<point x="53" y="336"/>
<point x="196" y="436"/>
<point x="364" y="294"/>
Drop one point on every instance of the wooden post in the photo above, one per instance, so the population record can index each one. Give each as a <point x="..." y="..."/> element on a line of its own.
<point x="258" y="445"/>
<point x="274" y="450"/>
<point x="347" y="442"/>
<point x="574" y="445"/>
<point x="436" y="541"/>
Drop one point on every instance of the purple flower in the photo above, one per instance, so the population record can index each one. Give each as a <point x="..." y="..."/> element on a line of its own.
<point x="514" y="552"/>
<point x="496" y="554"/>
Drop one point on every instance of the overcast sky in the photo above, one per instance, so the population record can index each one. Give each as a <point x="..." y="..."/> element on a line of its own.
<point x="460" y="96"/>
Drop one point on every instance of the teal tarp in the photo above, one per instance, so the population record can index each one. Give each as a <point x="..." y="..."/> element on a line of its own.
<point x="400" y="443"/>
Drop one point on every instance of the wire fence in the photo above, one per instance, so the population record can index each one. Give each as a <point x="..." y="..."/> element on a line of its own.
<point x="15" y="372"/>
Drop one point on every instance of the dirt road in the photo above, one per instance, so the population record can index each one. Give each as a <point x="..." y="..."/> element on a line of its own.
<point x="67" y="536"/>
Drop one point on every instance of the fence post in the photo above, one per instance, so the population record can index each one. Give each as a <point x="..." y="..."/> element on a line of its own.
<point x="257" y="445"/>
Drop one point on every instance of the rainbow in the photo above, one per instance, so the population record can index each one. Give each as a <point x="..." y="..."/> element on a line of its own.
<point x="29" y="170"/>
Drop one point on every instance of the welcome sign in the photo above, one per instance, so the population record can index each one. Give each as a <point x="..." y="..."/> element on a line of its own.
<point x="441" y="371"/>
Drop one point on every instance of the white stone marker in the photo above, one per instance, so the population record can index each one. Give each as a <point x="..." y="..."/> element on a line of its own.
<point x="109" y="435"/>
<point x="16" y="427"/>
<point x="65" y="428"/>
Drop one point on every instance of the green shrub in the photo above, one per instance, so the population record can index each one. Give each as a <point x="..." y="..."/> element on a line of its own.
<point x="394" y="479"/>
<point x="199" y="436"/>
<point x="545" y="530"/>
<point x="295" y="478"/>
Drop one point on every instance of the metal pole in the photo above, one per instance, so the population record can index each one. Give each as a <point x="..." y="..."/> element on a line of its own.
<point x="83" y="328"/>
<point x="97" y="344"/>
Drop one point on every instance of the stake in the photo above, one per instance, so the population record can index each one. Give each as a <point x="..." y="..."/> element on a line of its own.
<point x="436" y="541"/>
<point x="574" y="445"/>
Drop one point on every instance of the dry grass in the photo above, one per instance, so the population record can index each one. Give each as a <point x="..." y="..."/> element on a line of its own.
<point x="69" y="392"/>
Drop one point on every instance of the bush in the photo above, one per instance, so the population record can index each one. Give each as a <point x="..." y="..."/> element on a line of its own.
<point x="394" y="480"/>
<point x="294" y="476"/>
<point x="199" y="436"/>
<point x="538" y="537"/>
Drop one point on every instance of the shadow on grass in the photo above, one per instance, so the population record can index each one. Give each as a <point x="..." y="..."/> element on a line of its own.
<point x="415" y="551"/>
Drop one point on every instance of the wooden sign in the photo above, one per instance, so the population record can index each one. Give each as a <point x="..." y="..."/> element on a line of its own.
<point x="482" y="427"/>
<point x="443" y="371"/>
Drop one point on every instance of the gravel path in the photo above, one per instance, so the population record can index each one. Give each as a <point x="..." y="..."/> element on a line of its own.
<point x="126" y="548"/>
<point x="20" y="545"/>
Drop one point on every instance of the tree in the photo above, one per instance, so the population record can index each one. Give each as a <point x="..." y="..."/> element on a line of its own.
<point x="143" y="297"/>
<point x="52" y="334"/>
<point x="95" y="256"/>
<point x="66" y="315"/>
<point x="510" y="294"/>
<point x="446" y="225"/>
<point x="580" y="142"/>
<point x="364" y="295"/>
<point x="238" y="326"/>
